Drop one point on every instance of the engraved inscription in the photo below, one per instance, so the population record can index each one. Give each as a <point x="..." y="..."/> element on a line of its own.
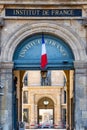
<point x="58" y="46"/>
<point x="44" y="12"/>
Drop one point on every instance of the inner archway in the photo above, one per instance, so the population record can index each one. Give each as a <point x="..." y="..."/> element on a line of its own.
<point x="45" y="113"/>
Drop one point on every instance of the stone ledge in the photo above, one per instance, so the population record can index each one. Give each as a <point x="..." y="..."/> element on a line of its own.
<point x="80" y="64"/>
<point x="6" y="65"/>
<point x="44" y="2"/>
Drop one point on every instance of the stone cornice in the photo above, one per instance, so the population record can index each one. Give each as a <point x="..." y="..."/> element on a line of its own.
<point x="80" y="64"/>
<point x="44" y="2"/>
<point x="6" y="65"/>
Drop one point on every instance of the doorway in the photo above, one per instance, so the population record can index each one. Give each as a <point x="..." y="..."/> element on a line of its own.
<point x="36" y="101"/>
<point x="45" y="113"/>
<point x="31" y="83"/>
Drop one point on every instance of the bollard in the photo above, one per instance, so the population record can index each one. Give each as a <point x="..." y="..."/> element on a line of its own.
<point x="21" y="126"/>
<point x="1" y="128"/>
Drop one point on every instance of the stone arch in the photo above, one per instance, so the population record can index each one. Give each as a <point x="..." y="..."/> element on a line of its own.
<point x="65" y="33"/>
<point x="40" y="103"/>
<point x="46" y="95"/>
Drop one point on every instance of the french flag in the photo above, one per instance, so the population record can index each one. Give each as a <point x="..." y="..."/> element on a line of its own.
<point x="43" y="55"/>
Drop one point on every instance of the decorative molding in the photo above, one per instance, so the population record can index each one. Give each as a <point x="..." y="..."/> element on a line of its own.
<point x="65" y="33"/>
<point x="80" y="64"/>
<point x="44" y="2"/>
<point x="6" y="65"/>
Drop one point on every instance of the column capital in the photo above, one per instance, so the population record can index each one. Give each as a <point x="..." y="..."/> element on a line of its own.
<point x="6" y="65"/>
<point x="80" y="64"/>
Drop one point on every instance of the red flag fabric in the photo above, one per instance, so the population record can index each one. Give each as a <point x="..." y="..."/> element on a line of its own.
<point x="44" y="54"/>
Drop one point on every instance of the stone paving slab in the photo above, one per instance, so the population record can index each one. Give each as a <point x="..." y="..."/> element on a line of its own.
<point x="45" y="129"/>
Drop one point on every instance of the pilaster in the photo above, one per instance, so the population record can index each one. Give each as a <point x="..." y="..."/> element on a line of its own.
<point x="57" y="111"/>
<point x="80" y="95"/>
<point x="32" y="119"/>
<point x="6" y="100"/>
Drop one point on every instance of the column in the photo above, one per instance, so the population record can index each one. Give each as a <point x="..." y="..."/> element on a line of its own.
<point x="32" y="121"/>
<point x="71" y="106"/>
<point x="55" y="115"/>
<point x="59" y="107"/>
<point x="36" y="122"/>
<point x="80" y="95"/>
<point x="67" y="99"/>
<point x="6" y="117"/>
<point x="57" y="110"/>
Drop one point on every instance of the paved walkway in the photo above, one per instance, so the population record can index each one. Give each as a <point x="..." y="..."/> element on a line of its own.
<point x="46" y="129"/>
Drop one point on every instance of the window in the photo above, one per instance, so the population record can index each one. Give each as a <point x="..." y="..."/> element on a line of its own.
<point x="25" y="97"/>
<point x="64" y="96"/>
<point x="64" y="116"/>
<point x="25" y="80"/>
<point x="25" y="115"/>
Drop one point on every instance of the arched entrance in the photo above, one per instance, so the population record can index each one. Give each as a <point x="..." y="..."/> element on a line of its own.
<point x="73" y="41"/>
<point x="45" y="113"/>
<point x="27" y="57"/>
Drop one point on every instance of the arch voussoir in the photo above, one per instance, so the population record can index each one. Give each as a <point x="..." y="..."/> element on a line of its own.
<point x="74" y="41"/>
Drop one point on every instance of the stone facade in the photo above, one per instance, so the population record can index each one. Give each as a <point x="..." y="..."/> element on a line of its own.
<point x="73" y="30"/>
<point x="35" y="94"/>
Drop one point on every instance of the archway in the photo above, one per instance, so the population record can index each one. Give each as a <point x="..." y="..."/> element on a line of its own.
<point x="65" y="33"/>
<point x="28" y="52"/>
<point x="34" y="91"/>
<point x="45" y="113"/>
<point x="27" y="57"/>
<point x="48" y="28"/>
